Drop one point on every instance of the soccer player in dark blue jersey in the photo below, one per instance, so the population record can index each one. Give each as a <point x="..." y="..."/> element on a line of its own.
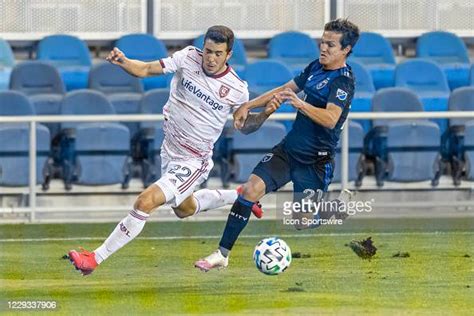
<point x="306" y="155"/>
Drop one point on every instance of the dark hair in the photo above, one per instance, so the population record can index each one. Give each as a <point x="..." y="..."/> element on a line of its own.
<point x="350" y="32"/>
<point x="220" y="34"/>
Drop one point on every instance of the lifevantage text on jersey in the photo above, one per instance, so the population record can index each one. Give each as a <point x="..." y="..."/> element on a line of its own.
<point x="188" y="84"/>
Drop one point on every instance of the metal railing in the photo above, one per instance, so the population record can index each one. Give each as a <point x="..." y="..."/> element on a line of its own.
<point x="34" y="120"/>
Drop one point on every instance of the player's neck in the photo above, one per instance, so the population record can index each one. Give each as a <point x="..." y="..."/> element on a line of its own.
<point x="335" y="66"/>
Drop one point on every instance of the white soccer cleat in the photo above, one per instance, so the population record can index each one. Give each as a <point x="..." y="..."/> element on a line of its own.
<point x="214" y="260"/>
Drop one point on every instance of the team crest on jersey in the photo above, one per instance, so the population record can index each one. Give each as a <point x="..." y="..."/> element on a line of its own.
<point x="224" y="91"/>
<point x="267" y="157"/>
<point x="322" y="84"/>
<point x="341" y="94"/>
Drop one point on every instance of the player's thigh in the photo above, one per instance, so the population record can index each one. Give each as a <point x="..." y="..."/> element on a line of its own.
<point x="181" y="178"/>
<point x="310" y="182"/>
<point x="312" y="177"/>
<point x="274" y="169"/>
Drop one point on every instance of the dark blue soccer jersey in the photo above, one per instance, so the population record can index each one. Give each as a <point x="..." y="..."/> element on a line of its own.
<point x="309" y="141"/>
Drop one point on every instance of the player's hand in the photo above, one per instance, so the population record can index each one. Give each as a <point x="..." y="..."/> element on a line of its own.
<point x="116" y="56"/>
<point x="240" y="116"/>
<point x="273" y="105"/>
<point x="290" y="96"/>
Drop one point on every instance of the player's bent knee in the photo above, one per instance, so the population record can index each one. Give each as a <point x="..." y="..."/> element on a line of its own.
<point x="149" y="199"/>
<point x="143" y="204"/>
<point x="252" y="191"/>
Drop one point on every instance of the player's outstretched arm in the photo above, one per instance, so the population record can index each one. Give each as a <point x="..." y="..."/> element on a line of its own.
<point x="134" y="67"/>
<point x="255" y="120"/>
<point x="240" y="116"/>
<point x="327" y="117"/>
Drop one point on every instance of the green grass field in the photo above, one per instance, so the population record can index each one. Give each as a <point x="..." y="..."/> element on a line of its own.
<point x="154" y="274"/>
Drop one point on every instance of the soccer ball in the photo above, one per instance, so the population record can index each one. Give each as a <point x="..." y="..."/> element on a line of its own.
<point x="272" y="256"/>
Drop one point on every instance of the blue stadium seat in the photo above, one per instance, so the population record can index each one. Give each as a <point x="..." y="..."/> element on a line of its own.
<point x="78" y="102"/>
<point x="396" y="99"/>
<point x="472" y="75"/>
<point x="85" y="102"/>
<point x="295" y="49"/>
<point x="450" y="52"/>
<point x="461" y="99"/>
<point x="14" y="137"/>
<point x="145" y="47"/>
<point x="238" y="61"/>
<point x="122" y="89"/>
<point x="14" y="103"/>
<point x="413" y="152"/>
<point x="375" y="53"/>
<point x="150" y="149"/>
<point x="247" y="150"/>
<point x="264" y="75"/>
<point x="153" y="102"/>
<point x="102" y="154"/>
<point x="14" y="161"/>
<point x="44" y="87"/>
<point x="147" y="142"/>
<point x="356" y="158"/>
<point x="468" y="149"/>
<point x="427" y="80"/>
<point x="7" y="61"/>
<point x="71" y="57"/>
<point x="364" y="91"/>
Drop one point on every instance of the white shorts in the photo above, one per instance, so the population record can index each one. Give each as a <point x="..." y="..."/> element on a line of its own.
<point x="180" y="178"/>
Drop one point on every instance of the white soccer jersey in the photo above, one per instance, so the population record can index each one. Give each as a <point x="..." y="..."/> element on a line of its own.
<point x="198" y="105"/>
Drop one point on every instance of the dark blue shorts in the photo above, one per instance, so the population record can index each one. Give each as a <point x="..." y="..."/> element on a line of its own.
<point x="277" y="168"/>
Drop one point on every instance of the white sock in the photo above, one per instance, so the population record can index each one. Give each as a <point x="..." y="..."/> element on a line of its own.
<point x="210" y="199"/>
<point x="126" y="230"/>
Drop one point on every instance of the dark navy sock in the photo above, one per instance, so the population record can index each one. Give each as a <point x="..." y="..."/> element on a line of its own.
<point x="238" y="218"/>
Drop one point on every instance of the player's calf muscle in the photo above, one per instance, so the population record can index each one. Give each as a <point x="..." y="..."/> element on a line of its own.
<point x="186" y="208"/>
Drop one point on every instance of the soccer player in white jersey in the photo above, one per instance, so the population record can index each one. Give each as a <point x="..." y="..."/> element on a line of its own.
<point x="204" y="90"/>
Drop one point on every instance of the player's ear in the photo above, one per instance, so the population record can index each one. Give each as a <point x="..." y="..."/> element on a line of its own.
<point x="347" y="49"/>
<point x="229" y="55"/>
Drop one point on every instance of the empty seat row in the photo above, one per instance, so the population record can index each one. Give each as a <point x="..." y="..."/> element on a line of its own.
<point x="295" y="49"/>
<point x="100" y="153"/>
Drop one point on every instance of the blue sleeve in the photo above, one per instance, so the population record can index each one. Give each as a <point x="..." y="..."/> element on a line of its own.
<point x="300" y="79"/>
<point x="341" y="91"/>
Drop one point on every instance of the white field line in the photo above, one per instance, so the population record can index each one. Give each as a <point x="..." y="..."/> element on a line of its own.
<point x="7" y="240"/>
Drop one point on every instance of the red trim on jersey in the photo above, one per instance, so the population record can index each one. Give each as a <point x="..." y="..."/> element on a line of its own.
<point x="190" y="149"/>
<point x="162" y="64"/>
<point x="236" y="76"/>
